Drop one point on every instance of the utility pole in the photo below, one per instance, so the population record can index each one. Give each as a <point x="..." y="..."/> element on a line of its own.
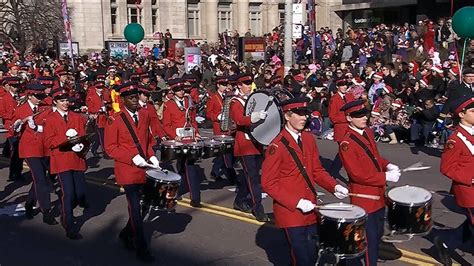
<point x="288" y="35"/>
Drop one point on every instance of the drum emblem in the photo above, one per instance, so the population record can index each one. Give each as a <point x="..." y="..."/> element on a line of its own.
<point x="252" y="105"/>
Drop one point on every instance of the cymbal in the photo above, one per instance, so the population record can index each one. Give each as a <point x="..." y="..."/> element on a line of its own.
<point x="68" y="144"/>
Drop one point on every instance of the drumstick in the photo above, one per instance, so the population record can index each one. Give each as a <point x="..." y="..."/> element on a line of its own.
<point x="365" y="196"/>
<point x="270" y="101"/>
<point x="333" y="207"/>
<point x="419" y="168"/>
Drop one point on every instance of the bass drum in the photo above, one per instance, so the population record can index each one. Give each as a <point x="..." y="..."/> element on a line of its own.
<point x="266" y="130"/>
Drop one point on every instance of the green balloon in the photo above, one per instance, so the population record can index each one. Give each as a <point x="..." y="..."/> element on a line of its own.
<point x="463" y="22"/>
<point x="134" y="33"/>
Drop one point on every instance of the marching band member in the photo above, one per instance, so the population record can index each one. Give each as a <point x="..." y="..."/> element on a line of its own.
<point x="338" y="119"/>
<point x="131" y="159"/>
<point x="368" y="173"/>
<point x="247" y="151"/>
<point x="31" y="148"/>
<point x="293" y="200"/>
<point x="96" y="99"/>
<point x="60" y="126"/>
<point x="7" y="107"/>
<point x="457" y="162"/>
<point x="223" y="164"/>
<point x="179" y="123"/>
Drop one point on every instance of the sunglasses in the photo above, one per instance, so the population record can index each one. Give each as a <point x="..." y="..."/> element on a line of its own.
<point x="248" y="82"/>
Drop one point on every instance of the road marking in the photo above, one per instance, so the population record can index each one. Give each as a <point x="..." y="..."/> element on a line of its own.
<point x="407" y="256"/>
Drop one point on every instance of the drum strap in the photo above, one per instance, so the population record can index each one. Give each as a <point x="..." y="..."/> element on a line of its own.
<point x="133" y="135"/>
<point x="300" y="166"/>
<point x="366" y="149"/>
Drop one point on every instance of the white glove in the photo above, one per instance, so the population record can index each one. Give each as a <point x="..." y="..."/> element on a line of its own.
<point x="154" y="162"/>
<point x="139" y="161"/>
<point x="78" y="147"/>
<point x="393" y="167"/>
<point x="17" y="125"/>
<point x="39" y="129"/>
<point x="257" y="116"/>
<point x="219" y="117"/>
<point x="305" y="205"/>
<point x="31" y="122"/>
<point x="71" y="133"/>
<point x="392" y="176"/>
<point x="341" y="192"/>
<point x="103" y="109"/>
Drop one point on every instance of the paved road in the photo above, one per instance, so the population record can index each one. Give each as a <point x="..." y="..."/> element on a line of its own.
<point x="213" y="235"/>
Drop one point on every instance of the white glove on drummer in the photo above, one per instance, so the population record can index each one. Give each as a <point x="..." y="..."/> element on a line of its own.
<point x="219" y="117"/>
<point x="341" y="192"/>
<point x="393" y="167"/>
<point x="78" y="147"/>
<point x="305" y="205"/>
<point x="257" y="116"/>
<point x="139" y="161"/>
<point x="31" y="122"/>
<point x="154" y="162"/>
<point x="17" y="125"/>
<point x="392" y="176"/>
<point x="71" y="133"/>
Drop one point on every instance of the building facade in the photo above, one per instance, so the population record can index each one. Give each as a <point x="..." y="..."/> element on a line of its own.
<point x="96" y="21"/>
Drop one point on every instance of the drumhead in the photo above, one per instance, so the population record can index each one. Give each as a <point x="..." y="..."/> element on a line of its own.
<point x="223" y="138"/>
<point x="193" y="145"/>
<point x="352" y="212"/>
<point x="212" y="143"/>
<point x="171" y="143"/>
<point x="267" y="130"/>
<point x="409" y="195"/>
<point x="166" y="176"/>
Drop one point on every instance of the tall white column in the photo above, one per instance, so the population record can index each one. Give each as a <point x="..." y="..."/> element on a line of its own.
<point x="273" y="17"/>
<point x="242" y="16"/>
<point x="212" y="28"/>
<point x="288" y="35"/>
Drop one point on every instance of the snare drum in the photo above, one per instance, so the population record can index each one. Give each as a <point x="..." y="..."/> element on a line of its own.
<point x="227" y="143"/>
<point x="409" y="210"/>
<point x="170" y="150"/>
<point x="342" y="231"/>
<point x="212" y="148"/>
<point x="160" y="189"/>
<point x="192" y="150"/>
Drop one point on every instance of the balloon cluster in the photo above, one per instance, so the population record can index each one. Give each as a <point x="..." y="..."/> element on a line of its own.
<point x="463" y="22"/>
<point x="134" y="33"/>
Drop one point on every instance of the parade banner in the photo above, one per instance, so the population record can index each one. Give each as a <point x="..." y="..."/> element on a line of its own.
<point x="64" y="49"/>
<point x="118" y="49"/>
<point x="67" y="30"/>
<point x="192" y="57"/>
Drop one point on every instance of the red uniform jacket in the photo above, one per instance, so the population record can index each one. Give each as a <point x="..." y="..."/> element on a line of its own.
<point x="364" y="177"/>
<point x="243" y="145"/>
<point x="55" y="133"/>
<point x="120" y="146"/>
<point x="175" y="117"/>
<point x="94" y="103"/>
<point x="156" y="126"/>
<point x="214" y="108"/>
<point x="337" y="117"/>
<point x="7" y="107"/>
<point x="31" y="142"/>
<point x="283" y="181"/>
<point x="457" y="163"/>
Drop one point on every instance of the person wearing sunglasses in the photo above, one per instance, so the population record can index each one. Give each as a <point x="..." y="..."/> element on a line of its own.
<point x="293" y="200"/>
<point x="248" y="152"/>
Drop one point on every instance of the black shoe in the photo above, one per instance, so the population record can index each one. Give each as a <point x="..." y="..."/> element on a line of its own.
<point x="244" y="207"/>
<point x="84" y="205"/>
<point x="145" y="256"/>
<point x="48" y="218"/>
<point x="195" y="204"/>
<point x="262" y="217"/>
<point x="73" y="235"/>
<point x="127" y="241"/>
<point x="443" y="252"/>
<point x="29" y="210"/>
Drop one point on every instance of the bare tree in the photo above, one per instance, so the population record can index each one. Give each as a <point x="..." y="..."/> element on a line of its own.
<point x="30" y="23"/>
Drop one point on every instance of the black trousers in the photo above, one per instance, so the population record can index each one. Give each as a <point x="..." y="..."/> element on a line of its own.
<point x="249" y="182"/>
<point x="16" y="163"/>
<point x="134" y="226"/>
<point x="73" y="190"/>
<point x="303" y="245"/>
<point x="41" y="186"/>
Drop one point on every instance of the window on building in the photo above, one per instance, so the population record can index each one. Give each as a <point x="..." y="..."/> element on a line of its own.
<point x="113" y="19"/>
<point x="134" y="13"/>
<point x="224" y="15"/>
<point x="255" y="18"/>
<point x="194" y="20"/>
<point x="281" y="14"/>
<point x="154" y="19"/>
